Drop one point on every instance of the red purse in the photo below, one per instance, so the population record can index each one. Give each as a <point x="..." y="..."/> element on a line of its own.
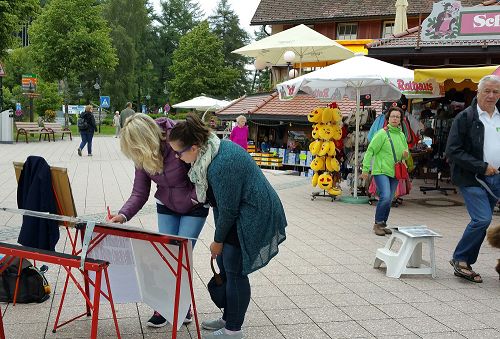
<point x="400" y="169"/>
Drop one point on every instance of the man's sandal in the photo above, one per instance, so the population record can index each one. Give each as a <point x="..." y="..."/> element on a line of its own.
<point x="465" y="272"/>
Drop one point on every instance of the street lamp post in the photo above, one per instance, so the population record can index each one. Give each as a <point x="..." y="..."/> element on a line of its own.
<point x="165" y="91"/>
<point x="97" y="86"/>
<point x="31" y="90"/>
<point x="147" y="102"/>
<point x="289" y="56"/>
<point x="80" y="95"/>
<point x="63" y="91"/>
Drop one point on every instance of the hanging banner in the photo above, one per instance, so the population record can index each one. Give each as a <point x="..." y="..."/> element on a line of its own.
<point x="450" y="21"/>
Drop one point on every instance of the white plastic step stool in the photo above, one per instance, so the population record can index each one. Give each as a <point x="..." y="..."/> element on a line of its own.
<point x="408" y="260"/>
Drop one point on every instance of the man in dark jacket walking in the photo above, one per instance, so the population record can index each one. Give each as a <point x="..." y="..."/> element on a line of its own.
<point x="473" y="149"/>
<point x="86" y="127"/>
<point x="127" y="112"/>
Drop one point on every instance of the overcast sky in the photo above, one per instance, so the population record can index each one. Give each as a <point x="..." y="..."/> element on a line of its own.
<point x="244" y="8"/>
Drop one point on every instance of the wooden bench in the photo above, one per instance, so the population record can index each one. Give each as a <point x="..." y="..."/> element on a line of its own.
<point x="25" y="128"/>
<point x="55" y="127"/>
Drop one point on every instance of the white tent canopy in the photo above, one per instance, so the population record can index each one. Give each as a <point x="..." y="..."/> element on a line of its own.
<point x="306" y="43"/>
<point x="345" y="78"/>
<point x="203" y="103"/>
<point x="351" y="78"/>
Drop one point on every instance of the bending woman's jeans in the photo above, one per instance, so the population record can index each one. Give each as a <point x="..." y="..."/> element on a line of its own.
<point x="386" y="187"/>
<point x="237" y="287"/>
<point x="182" y="225"/>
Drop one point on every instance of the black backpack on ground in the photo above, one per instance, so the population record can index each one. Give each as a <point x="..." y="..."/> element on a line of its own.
<point x="33" y="287"/>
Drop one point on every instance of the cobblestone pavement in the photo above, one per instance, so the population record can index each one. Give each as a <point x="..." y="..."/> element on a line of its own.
<point x="321" y="284"/>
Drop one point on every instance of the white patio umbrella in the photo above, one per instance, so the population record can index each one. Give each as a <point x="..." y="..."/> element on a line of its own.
<point x="202" y="103"/>
<point x="309" y="45"/>
<point x="352" y="78"/>
<point x="400" y="22"/>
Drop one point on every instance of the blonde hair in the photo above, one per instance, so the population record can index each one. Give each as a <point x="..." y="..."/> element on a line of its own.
<point x="89" y="108"/>
<point x="241" y="118"/>
<point x="140" y="141"/>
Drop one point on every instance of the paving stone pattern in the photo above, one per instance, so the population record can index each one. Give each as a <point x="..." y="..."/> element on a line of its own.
<point x="320" y="285"/>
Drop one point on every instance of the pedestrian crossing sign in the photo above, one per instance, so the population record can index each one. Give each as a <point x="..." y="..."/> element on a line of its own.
<point x="105" y="101"/>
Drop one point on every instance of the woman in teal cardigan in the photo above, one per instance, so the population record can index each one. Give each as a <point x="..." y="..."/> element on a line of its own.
<point x="380" y="151"/>
<point x="249" y="218"/>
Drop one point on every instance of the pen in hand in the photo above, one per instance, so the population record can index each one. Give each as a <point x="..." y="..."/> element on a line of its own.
<point x="109" y="213"/>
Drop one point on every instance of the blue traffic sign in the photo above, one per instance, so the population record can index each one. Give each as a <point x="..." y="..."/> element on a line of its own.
<point x="105" y="102"/>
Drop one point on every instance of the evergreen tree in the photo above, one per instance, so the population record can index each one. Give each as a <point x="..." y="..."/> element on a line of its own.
<point x="225" y="24"/>
<point x="198" y="65"/>
<point x="130" y="24"/>
<point x="177" y="18"/>
<point x="262" y="82"/>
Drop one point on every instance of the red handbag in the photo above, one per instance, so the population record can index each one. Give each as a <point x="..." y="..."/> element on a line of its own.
<point x="400" y="169"/>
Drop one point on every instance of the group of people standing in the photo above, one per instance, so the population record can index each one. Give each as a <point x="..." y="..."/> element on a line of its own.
<point x="194" y="170"/>
<point x="473" y="151"/>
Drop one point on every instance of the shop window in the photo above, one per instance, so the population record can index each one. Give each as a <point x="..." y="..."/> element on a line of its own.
<point x="347" y="31"/>
<point x="387" y="29"/>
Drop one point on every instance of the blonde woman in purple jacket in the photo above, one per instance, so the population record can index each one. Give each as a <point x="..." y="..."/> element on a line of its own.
<point x="144" y="141"/>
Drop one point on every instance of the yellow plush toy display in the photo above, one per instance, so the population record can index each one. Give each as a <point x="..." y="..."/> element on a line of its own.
<point x="315" y="131"/>
<point x="336" y="115"/>
<point x="327" y="127"/>
<point x="318" y="164"/>
<point x="325" y="181"/>
<point x="315" y="179"/>
<point x="325" y="146"/>
<point x="315" y="147"/>
<point x="327" y="115"/>
<point x="331" y="149"/>
<point x="326" y="132"/>
<point x="315" y="115"/>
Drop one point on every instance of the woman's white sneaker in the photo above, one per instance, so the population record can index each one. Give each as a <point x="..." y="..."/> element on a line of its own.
<point x="213" y="325"/>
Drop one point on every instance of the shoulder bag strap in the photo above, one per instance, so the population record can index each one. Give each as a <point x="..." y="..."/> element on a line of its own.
<point x="392" y="145"/>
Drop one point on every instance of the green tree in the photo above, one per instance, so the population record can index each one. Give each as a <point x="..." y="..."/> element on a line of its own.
<point x="262" y="78"/>
<point x="12" y="14"/>
<point x="17" y="63"/>
<point x="70" y="39"/>
<point x="224" y="23"/>
<point x="177" y="18"/>
<point x="198" y="65"/>
<point x="130" y="24"/>
<point x="49" y="98"/>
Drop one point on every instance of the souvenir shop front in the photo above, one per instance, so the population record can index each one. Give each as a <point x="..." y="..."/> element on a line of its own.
<point x="456" y="56"/>
<point x="436" y="116"/>
<point x="279" y="133"/>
